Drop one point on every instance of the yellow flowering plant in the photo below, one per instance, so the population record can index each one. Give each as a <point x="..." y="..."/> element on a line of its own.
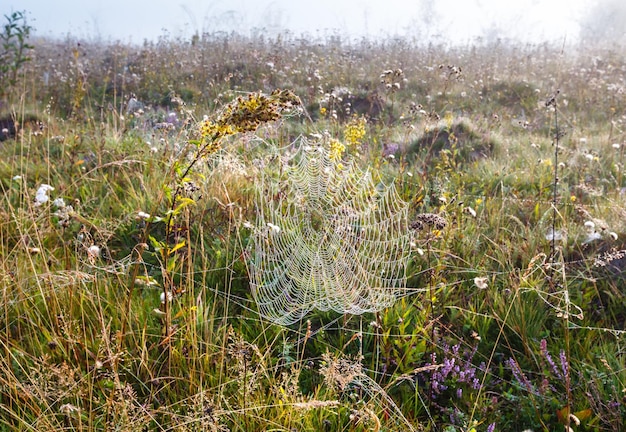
<point x="244" y="114"/>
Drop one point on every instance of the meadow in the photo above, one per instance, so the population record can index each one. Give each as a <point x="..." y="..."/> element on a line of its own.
<point x="131" y="216"/>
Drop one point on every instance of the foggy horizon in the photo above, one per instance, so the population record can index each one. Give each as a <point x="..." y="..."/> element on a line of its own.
<point x="447" y="21"/>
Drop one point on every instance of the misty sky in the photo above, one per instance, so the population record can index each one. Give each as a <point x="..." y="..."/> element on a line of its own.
<point x="459" y="21"/>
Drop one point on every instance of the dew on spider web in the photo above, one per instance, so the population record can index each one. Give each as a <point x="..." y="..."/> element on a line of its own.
<point x="343" y="241"/>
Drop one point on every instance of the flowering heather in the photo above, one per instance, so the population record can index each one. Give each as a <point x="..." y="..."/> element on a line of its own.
<point x="546" y="355"/>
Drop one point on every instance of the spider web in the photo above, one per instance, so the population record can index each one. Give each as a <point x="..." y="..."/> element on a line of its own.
<point x="326" y="238"/>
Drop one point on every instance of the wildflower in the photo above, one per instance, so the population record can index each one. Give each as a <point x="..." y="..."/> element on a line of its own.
<point x="564" y="363"/>
<point x="17" y="178"/>
<point x="274" y="228"/>
<point x="548" y="357"/>
<point x="471" y="211"/>
<point x="68" y="409"/>
<point x="519" y="375"/>
<point x="143" y="215"/>
<point x="616" y="146"/>
<point x="355" y="131"/>
<point x="41" y="196"/>
<point x="245" y="115"/>
<point x="336" y="150"/>
<point x="170" y="297"/>
<point x="93" y="252"/>
<point x="481" y="282"/>
<point x="59" y="203"/>
<point x="425" y="220"/>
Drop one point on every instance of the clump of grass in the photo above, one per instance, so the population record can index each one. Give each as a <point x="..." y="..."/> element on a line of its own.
<point x="458" y="137"/>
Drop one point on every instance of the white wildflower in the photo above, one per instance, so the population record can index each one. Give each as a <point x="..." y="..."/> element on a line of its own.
<point x="93" y="252"/>
<point x="68" y="409"/>
<point x="170" y="297"/>
<point x="41" y="196"/>
<point x="274" y="228"/>
<point x="471" y="211"/>
<point x="143" y="215"/>
<point x="590" y="225"/>
<point x="481" y="282"/>
<point x="17" y="178"/>
<point x="59" y="203"/>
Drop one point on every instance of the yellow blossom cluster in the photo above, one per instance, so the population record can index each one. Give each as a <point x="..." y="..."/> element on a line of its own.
<point x="355" y="131"/>
<point x="336" y="150"/>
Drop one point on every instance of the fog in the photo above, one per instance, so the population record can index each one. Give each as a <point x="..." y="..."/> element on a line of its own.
<point x="447" y="21"/>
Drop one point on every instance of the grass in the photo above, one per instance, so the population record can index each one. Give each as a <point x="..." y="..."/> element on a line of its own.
<point x="129" y="308"/>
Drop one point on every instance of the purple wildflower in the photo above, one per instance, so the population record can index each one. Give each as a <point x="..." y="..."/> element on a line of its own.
<point x="564" y="364"/>
<point x="548" y="357"/>
<point x="519" y="375"/>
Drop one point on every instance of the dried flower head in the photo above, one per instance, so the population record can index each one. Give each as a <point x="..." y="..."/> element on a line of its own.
<point x="340" y="372"/>
<point x="246" y="114"/>
<point x="425" y="220"/>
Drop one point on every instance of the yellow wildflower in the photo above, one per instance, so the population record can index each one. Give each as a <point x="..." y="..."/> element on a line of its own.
<point x="355" y="131"/>
<point x="336" y="149"/>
